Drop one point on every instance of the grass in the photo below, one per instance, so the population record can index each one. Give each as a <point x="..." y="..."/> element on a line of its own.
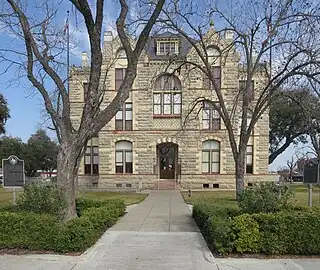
<point x="128" y="197"/>
<point x="227" y="197"/>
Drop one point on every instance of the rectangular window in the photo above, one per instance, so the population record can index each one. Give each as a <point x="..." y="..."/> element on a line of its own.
<point x="216" y="79"/>
<point x="85" y="90"/>
<point x="91" y="160"/>
<point x="124" y="117"/>
<point x="242" y="86"/>
<point x="249" y="159"/>
<point x="210" y="117"/>
<point x="124" y="161"/>
<point x="167" y="104"/>
<point x="167" y="47"/>
<point x="120" y="74"/>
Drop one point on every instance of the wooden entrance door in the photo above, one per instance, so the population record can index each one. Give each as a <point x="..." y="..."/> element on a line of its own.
<point x="167" y="160"/>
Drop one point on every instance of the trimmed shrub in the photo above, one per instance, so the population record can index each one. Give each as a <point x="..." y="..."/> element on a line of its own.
<point x="42" y="199"/>
<point x="226" y="230"/>
<point x="28" y="230"/>
<point x="45" y="232"/>
<point x="264" y="198"/>
<point x="246" y="233"/>
<point x="219" y="235"/>
<point x="290" y="233"/>
<point x="215" y="225"/>
<point x="201" y="212"/>
<point x="76" y="235"/>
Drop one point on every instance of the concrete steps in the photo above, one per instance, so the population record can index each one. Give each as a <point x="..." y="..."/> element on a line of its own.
<point x="166" y="184"/>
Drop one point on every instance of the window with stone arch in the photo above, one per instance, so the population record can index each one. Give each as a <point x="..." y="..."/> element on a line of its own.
<point x="124" y="157"/>
<point x="214" y="59"/>
<point x="121" y="53"/>
<point x="167" y="96"/>
<point x="211" y="156"/>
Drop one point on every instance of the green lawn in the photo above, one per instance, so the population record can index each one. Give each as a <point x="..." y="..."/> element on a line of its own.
<point x="227" y="197"/>
<point x="128" y="197"/>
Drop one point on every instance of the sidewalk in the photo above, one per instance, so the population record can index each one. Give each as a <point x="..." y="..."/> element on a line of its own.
<point x="159" y="233"/>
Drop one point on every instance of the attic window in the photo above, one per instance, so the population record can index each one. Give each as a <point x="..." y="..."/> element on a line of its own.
<point x="167" y="47"/>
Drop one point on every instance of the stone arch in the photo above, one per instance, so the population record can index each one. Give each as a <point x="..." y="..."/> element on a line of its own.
<point x="171" y="79"/>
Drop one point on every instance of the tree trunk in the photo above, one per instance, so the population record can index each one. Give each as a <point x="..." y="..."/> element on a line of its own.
<point x="239" y="175"/>
<point x="67" y="169"/>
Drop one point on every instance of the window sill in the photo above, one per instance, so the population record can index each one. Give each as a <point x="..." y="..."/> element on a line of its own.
<point x="211" y="130"/>
<point x="166" y="116"/>
<point x="122" y="131"/>
<point x="90" y="174"/>
<point x="217" y="173"/>
<point x="124" y="173"/>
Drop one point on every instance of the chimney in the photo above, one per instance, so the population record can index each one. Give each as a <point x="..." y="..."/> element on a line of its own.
<point x="84" y="59"/>
<point x="228" y="35"/>
<point x="107" y="36"/>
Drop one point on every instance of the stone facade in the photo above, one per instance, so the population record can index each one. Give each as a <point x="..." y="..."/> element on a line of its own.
<point x="151" y="131"/>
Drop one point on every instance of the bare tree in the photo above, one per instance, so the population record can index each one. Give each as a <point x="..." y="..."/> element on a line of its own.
<point x="292" y="164"/>
<point x="275" y="42"/>
<point x="39" y="63"/>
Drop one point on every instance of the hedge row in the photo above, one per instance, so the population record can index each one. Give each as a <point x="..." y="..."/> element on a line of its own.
<point x="44" y="232"/>
<point x="227" y="231"/>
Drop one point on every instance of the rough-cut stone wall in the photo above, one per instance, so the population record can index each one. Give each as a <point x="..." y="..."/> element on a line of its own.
<point x="148" y="131"/>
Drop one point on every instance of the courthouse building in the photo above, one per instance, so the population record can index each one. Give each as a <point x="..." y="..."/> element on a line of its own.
<point x="156" y="140"/>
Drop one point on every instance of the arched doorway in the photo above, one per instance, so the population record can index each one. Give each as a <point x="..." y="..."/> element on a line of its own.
<point x="167" y="160"/>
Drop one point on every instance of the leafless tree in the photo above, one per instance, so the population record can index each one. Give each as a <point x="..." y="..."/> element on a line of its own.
<point x="38" y="61"/>
<point x="275" y="41"/>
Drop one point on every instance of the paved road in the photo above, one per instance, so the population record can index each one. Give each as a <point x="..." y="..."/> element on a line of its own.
<point x="157" y="234"/>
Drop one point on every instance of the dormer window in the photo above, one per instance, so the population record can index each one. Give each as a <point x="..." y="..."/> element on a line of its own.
<point x="167" y="47"/>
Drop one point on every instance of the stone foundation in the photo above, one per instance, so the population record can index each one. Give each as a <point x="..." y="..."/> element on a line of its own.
<point x="137" y="182"/>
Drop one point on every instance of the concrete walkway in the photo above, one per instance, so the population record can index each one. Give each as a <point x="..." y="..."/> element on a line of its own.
<point x="157" y="234"/>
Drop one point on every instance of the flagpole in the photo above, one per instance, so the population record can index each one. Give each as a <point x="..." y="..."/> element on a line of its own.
<point x="68" y="48"/>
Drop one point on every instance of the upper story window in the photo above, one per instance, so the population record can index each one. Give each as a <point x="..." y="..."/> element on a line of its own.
<point x="167" y="47"/>
<point x="124" y="157"/>
<point x="124" y="117"/>
<point x="167" y="96"/>
<point x="121" y="54"/>
<point x="120" y="74"/>
<point x="242" y="87"/>
<point x="213" y="55"/>
<point x="210" y="117"/>
<point x="249" y="159"/>
<point x="249" y="117"/>
<point x="211" y="156"/>
<point x="91" y="160"/>
<point x="214" y="80"/>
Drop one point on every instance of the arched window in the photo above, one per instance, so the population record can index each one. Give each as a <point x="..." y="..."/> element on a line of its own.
<point x="213" y="52"/>
<point x="167" y="96"/>
<point x="123" y="157"/>
<point x="211" y="156"/>
<point x="121" y="53"/>
<point x="214" y="59"/>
